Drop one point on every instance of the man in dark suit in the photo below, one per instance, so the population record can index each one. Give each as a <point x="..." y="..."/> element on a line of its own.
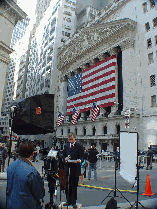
<point x="72" y="151"/>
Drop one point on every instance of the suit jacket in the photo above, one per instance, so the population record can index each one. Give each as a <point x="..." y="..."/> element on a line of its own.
<point x="77" y="152"/>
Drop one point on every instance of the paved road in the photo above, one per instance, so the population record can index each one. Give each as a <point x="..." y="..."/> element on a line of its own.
<point x="91" y="197"/>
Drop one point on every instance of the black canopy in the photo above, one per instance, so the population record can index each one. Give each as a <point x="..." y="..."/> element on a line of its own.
<point x="26" y="121"/>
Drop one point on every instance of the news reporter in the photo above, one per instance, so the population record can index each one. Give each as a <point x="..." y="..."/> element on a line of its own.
<point x="25" y="186"/>
<point x="72" y="151"/>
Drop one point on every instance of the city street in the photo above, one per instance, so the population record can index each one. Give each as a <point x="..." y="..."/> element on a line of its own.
<point x="89" y="195"/>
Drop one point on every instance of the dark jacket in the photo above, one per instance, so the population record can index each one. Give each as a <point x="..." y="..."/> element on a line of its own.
<point x="25" y="185"/>
<point x="4" y="153"/>
<point x="150" y="153"/>
<point x="76" y="153"/>
<point x="92" y="156"/>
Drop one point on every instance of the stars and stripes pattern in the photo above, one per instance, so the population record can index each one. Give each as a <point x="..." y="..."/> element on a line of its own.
<point x="75" y="115"/>
<point x="60" y="118"/>
<point x="95" y="111"/>
<point x="94" y="84"/>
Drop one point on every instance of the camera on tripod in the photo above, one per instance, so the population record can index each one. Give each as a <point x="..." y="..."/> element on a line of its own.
<point x="53" y="168"/>
<point x="52" y="162"/>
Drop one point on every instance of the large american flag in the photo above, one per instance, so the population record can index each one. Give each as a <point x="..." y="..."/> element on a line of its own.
<point x="94" y="84"/>
<point x="75" y="115"/>
<point x="95" y="111"/>
<point x="60" y="118"/>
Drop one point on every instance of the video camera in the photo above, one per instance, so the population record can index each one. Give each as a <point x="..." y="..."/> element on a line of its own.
<point x="53" y="168"/>
<point x="53" y="162"/>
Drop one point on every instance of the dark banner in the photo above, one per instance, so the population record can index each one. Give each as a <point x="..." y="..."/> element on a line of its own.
<point x="34" y="115"/>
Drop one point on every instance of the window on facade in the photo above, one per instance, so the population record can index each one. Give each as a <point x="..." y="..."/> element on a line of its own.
<point x="152" y="4"/>
<point x="155" y="39"/>
<point x="144" y="7"/>
<point x="67" y="13"/>
<point x="147" y="26"/>
<point x="153" y="101"/>
<point x="67" y="34"/>
<point x="76" y="131"/>
<point x="61" y="131"/>
<point x="152" y="80"/>
<point x="155" y="22"/>
<point x="84" y="131"/>
<point x="150" y="58"/>
<point x="105" y="129"/>
<point x="68" y="19"/>
<point x="94" y="130"/>
<point x="68" y="130"/>
<point x="149" y="43"/>
<point x="118" y="129"/>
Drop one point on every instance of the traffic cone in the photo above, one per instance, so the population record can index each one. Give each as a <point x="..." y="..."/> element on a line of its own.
<point x="148" y="189"/>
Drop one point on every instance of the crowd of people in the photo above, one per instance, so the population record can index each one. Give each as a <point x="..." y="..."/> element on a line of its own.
<point x="26" y="189"/>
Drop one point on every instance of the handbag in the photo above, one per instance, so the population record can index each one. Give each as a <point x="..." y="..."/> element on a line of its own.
<point x="86" y="164"/>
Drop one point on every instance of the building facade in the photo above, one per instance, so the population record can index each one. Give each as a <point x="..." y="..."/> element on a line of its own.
<point x="10" y="14"/>
<point x="128" y="30"/>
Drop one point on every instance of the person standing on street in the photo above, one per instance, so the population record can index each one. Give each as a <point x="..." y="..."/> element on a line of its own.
<point x="38" y="149"/>
<point x="4" y="156"/>
<point x="1" y="149"/>
<point x="82" y="171"/>
<point x="25" y="186"/>
<point x="92" y="158"/>
<point x="72" y="151"/>
<point x="149" y="158"/>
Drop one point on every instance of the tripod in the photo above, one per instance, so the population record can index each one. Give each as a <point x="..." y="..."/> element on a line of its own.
<point x="137" y="178"/>
<point x="115" y="187"/>
<point x="52" y="184"/>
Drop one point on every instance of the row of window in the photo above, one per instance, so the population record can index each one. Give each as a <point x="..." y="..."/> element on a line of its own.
<point x="93" y="130"/>
<point x="147" y="25"/>
<point x="152" y="5"/>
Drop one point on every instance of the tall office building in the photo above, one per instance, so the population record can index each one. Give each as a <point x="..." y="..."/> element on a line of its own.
<point x="18" y="33"/>
<point x="15" y="63"/>
<point x="55" y="28"/>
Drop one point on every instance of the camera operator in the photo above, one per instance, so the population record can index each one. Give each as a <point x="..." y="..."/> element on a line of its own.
<point x="72" y="151"/>
<point x="25" y="186"/>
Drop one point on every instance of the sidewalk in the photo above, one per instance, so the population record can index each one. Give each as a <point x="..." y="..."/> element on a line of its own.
<point x="105" y="181"/>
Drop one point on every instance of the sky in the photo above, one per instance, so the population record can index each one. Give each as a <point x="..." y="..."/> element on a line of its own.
<point x="27" y="6"/>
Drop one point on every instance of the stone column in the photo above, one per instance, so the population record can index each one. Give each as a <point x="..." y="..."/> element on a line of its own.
<point x="129" y="75"/>
<point x="114" y="108"/>
<point x="90" y="116"/>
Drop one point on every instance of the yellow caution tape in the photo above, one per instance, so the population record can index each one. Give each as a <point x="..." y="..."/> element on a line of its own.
<point x="102" y="188"/>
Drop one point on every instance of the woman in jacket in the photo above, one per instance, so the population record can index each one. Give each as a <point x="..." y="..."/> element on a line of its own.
<point x="25" y="186"/>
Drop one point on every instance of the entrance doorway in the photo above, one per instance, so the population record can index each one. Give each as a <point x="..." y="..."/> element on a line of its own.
<point x="116" y="144"/>
<point x="104" y="146"/>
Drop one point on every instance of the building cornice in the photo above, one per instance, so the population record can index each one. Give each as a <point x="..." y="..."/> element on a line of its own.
<point x="109" y="10"/>
<point x="4" y="52"/>
<point x="4" y="59"/>
<point x="93" y="41"/>
<point x="5" y="48"/>
<point x="11" y="11"/>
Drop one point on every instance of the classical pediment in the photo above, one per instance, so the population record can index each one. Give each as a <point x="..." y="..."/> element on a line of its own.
<point x="92" y="40"/>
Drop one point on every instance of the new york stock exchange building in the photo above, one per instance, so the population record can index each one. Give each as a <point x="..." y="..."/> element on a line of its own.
<point x="108" y="62"/>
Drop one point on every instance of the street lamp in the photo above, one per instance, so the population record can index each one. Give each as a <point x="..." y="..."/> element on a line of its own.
<point x="13" y="109"/>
